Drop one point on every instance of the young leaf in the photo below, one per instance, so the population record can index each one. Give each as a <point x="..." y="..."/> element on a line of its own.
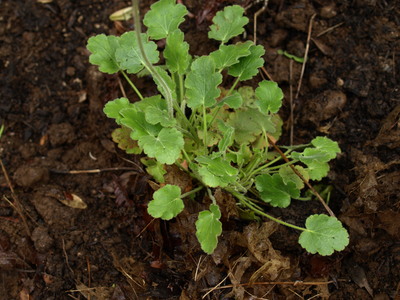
<point x="288" y="175"/>
<point x="176" y="53"/>
<point x="103" y="52"/>
<point x="209" y="228"/>
<point x="165" y="147"/>
<point x="163" y="18"/>
<point x="324" y="234"/>
<point x="129" y="56"/>
<point x="228" y="23"/>
<point x="247" y="67"/>
<point x="227" y="136"/>
<point x="326" y="145"/>
<point x="269" y="97"/>
<point x="112" y="108"/>
<point x="227" y="56"/>
<point x="166" y="203"/>
<point x="274" y="190"/>
<point x="202" y="83"/>
<point x="234" y="100"/>
<point x="216" y="171"/>
<point x="154" y="168"/>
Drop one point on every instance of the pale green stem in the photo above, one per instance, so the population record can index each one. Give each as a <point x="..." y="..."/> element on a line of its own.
<point x="164" y="85"/>
<point x="191" y="192"/>
<point x="205" y="127"/>
<point x="249" y="204"/>
<point x="211" y="196"/>
<point x="233" y="87"/>
<point x="132" y="85"/>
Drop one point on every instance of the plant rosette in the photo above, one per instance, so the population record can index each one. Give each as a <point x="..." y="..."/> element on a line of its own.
<point x="221" y="135"/>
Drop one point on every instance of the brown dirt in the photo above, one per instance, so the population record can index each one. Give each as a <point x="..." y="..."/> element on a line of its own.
<point x="51" y="106"/>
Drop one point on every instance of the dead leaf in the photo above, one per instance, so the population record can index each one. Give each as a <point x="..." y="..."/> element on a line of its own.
<point x="390" y="222"/>
<point x="357" y="274"/>
<point x="72" y="200"/>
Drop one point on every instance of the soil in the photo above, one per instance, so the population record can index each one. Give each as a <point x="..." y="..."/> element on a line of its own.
<point x="107" y="247"/>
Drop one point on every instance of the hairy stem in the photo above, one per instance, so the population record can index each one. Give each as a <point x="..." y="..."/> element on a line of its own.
<point x="132" y="85"/>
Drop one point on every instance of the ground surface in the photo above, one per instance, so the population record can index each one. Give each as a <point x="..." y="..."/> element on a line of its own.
<point x="51" y="105"/>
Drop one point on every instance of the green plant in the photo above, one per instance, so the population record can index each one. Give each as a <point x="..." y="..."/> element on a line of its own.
<point x="219" y="136"/>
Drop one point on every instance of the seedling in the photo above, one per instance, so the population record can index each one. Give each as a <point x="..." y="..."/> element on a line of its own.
<point x="219" y="135"/>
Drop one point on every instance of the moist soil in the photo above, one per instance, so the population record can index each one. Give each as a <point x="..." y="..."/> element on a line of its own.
<point x="108" y="247"/>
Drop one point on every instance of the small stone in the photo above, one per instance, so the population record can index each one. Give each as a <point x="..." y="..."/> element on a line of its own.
<point x="70" y="71"/>
<point x="328" y="11"/>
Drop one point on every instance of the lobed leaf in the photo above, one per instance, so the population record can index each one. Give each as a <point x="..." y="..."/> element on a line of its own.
<point x="209" y="228"/>
<point x="103" y="50"/>
<point x="165" y="147"/>
<point x="129" y="56"/>
<point x="136" y="120"/>
<point x="154" y="168"/>
<point x="234" y="100"/>
<point x="227" y="136"/>
<point x="228" y="23"/>
<point x="176" y="53"/>
<point x="288" y="175"/>
<point x="227" y="56"/>
<point x="323" y="235"/>
<point x="269" y="97"/>
<point x="216" y="171"/>
<point x="322" y="143"/>
<point x="164" y="17"/>
<point x="113" y="108"/>
<point x="166" y="203"/>
<point x="155" y="109"/>
<point x="275" y="191"/>
<point x="202" y="83"/>
<point x="122" y="137"/>
<point x="247" y="67"/>
<point x="167" y="79"/>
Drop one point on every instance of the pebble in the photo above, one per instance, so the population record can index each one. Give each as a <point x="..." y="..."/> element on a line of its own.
<point x="28" y="176"/>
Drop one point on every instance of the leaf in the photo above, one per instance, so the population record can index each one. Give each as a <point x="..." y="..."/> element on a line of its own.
<point x="129" y="56"/>
<point x="166" y="203"/>
<point x="326" y="145"/>
<point x="288" y="175"/>
<point x="202" y="83"/>
<point x="176" y="53"/>
<point x="154" y="168"/>
<point x="228" y="23"/>
<point x="216" y="171"/>
<point x="136" y="120"/>
<point x="269" y="97"/>
<point x="323" y="235"/>
<point x="249" y="124"/>
<point x="317" y="170"/>
<point x="121" y="136"/>
<point x="234" y="100"/>
<point x="274" y="190"/>
<point x="247" y="67"/>
<point x="209" y="228"/>
<point x="227" y="56"/>
<point x="163" y="18"/>
<point x="113" y="108"/>
<point x="155" y="109"/>
<point x="167" y="79"/>
<point x="227" y="136"/>
<point x="103" y="50"/>
<point x="165" y="147"/>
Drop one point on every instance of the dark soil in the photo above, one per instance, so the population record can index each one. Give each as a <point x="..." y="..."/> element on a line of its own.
<point x="51" y="103"/>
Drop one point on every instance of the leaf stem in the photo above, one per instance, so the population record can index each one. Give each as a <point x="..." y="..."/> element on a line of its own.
<point x="191" y="192"/>
<point x="205" y="127"/>
<point x="233" y="87"/>
<point x="138" y="30"/>
<point x="244" y="201"/>
<point x="132" y="85"/>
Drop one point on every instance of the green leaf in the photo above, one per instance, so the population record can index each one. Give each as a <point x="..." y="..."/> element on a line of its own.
<point x="247" y="67"/>
<point x="288" y="175"/>
<point x="274" y="190"/>
<point x="216" y="171"/>
<point x="165" y="147"/>
<point x="291" y="56"/>
<point x="103" y="50"/>
<point x="121" y="136"/>
<point x="234" y="100"/>
<point x="323" y="235"/>
<point x="317" y="170"/>
<point x="326" y="145"/>
<point x="227" y="136"/>
<point x="136" y="120"/>
<point x="202" y="83"/>
<point x="228" y="23"/>
<point x="166" y="203"/>
<point x="167" y="79"/>
<point x="129" y="56"/>
<point x="163" y="18"/>
<point x="113" y="108"/>
<point x="155" y="109"/>
<point x="249" y="124"/>
<point x="209" y="228"/>
<point x="269" y="96"/>
<point x="227" y="56"/>
<point x="176" y="53"/>
<point x="154" y="168"/>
